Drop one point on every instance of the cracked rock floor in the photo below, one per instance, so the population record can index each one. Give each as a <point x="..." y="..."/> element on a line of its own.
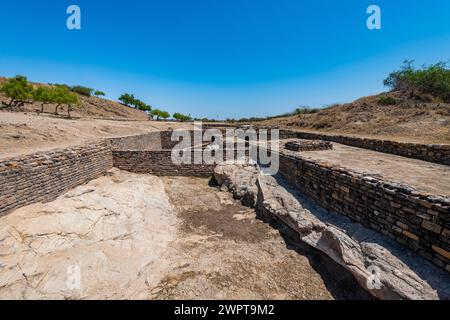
<point x="130" y="236"/>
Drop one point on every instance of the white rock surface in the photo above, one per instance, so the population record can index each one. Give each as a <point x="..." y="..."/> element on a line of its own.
<point x="399" y="273"/>
<point x="108" y="232"/>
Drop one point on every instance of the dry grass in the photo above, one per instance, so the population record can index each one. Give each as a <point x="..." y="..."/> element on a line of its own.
<point x="411" y="121"/>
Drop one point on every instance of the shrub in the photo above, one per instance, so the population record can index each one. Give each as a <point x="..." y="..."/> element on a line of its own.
<point x="60" y="85"/>
<point x="160" y="114"/>
<point x="387" y="101"/>
<point x="98" y="93"/>
<point x="84" y="91"/>
<point x="18" y="90"/>
<point x="182" y="117"/>
<point x="127" y="99"/>
<point x="433" y="79"/>
<point x="304" y="110"/>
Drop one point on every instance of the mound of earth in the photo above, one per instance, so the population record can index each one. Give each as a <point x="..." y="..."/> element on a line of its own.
<point x="408" y="120"/>
<point x="91" y="107"/>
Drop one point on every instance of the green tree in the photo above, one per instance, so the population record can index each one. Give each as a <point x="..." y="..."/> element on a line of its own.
<point x="160" y="114"/>
<point x="44" y="95"/>
<point x="127" y="99"/>
<point x="18" y="90"/>
<point x="99" y="93"/>
<point x="84" y="91"/>
<point x="181" y="117"/>
<point x="63" y="96"/>
<point x="433" y="79"/>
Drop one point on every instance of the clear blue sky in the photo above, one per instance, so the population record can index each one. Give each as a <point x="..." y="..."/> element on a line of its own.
<point x="227" y="58"/>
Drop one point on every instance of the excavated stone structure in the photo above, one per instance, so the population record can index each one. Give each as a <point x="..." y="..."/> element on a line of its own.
<point x="379" y="264"/>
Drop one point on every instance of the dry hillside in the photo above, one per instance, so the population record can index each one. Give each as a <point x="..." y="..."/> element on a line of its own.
<point x="408" y="120"/>
<point x="91" y="107"/>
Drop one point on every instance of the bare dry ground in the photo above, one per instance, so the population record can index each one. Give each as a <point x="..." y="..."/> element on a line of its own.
<point x="22" y="133"/>
<point x="143" y="237"/>
<point x="408" y="121"/>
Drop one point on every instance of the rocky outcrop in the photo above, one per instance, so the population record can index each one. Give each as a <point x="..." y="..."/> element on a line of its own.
<point x="383" y="267"/>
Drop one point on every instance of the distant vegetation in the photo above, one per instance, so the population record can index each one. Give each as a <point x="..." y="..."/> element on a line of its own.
<point x="130" y="101"/>
<point x="99" y="94"/>
<point x="181" y="117"/>
<point x="160" y="114"/>
<point x="387" y="101"/>
<point x="21" y="92"/>
<point x="18" y="90"/>
<point x="84" y="91"/>
<point x="81" y="90"/>
<point x="297" y="111"/>
<point x="429" y="80"/>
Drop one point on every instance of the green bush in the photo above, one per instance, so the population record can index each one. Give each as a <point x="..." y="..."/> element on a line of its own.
<point x="127" y="99"/>
<point x="387" y="101"/>
<point x="182" y="117"/>
<point x="99" y="93"/>
<point x="433" y="79"/>
<point x="84" y="91"/>
<point x="304" y="110"/>
<point x="18" y="90"/>
<point x="130" y="101"/>
<point x="160" y="114"/>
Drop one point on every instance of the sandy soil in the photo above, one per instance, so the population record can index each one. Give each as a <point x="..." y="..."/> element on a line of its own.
<point x="138" y="236"/>
<point x="425" y="176"/>
<point x="22" y="133"/>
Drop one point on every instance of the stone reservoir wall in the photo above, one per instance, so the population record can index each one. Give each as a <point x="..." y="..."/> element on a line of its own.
<point x="158" y="163"/>
<point x="419" y="221"/>
<point x="43" y="176"/>
<point x="438" y="153"/>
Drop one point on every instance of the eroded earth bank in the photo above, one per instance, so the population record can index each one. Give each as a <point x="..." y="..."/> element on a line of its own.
<point x="139" y="236"/>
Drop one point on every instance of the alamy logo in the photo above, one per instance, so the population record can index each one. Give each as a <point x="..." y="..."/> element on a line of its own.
<point x="234" y="146"/>
<point x="374" y="20"/>
<point x="73" y="22"/>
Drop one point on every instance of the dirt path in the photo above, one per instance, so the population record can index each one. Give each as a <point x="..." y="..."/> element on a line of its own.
<point x="129" y="236"/>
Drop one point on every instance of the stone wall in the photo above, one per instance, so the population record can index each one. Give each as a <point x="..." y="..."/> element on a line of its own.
<point x="308" y="145"/>
<point x="149" y="141"/>
<point x="438" y="153"/>
<point x="158" y="163"/>
<point x="43" y="176"/>
<point x="417" y="220"/>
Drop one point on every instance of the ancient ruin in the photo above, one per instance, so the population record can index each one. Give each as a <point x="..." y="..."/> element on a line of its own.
<point x="103" y="204"/>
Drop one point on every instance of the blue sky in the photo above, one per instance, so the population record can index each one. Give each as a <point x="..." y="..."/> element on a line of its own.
<point x="226" y="59"/>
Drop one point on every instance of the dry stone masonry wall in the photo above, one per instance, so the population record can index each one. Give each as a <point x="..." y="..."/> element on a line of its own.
<point x="158" y="163"/>
<point x="308" y="145"/>
<point x="43" y="176"/>
<point x="438" y="153"/>
<point x="417" y="220"/>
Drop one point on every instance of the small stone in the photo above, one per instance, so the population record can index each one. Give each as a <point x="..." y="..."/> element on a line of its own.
<point x="441" y="251"/>
<point x="410" y="235"/>
<point x="446" y="233"/>
<point x="402" y="225"/>
<point x="431" y="226"/>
